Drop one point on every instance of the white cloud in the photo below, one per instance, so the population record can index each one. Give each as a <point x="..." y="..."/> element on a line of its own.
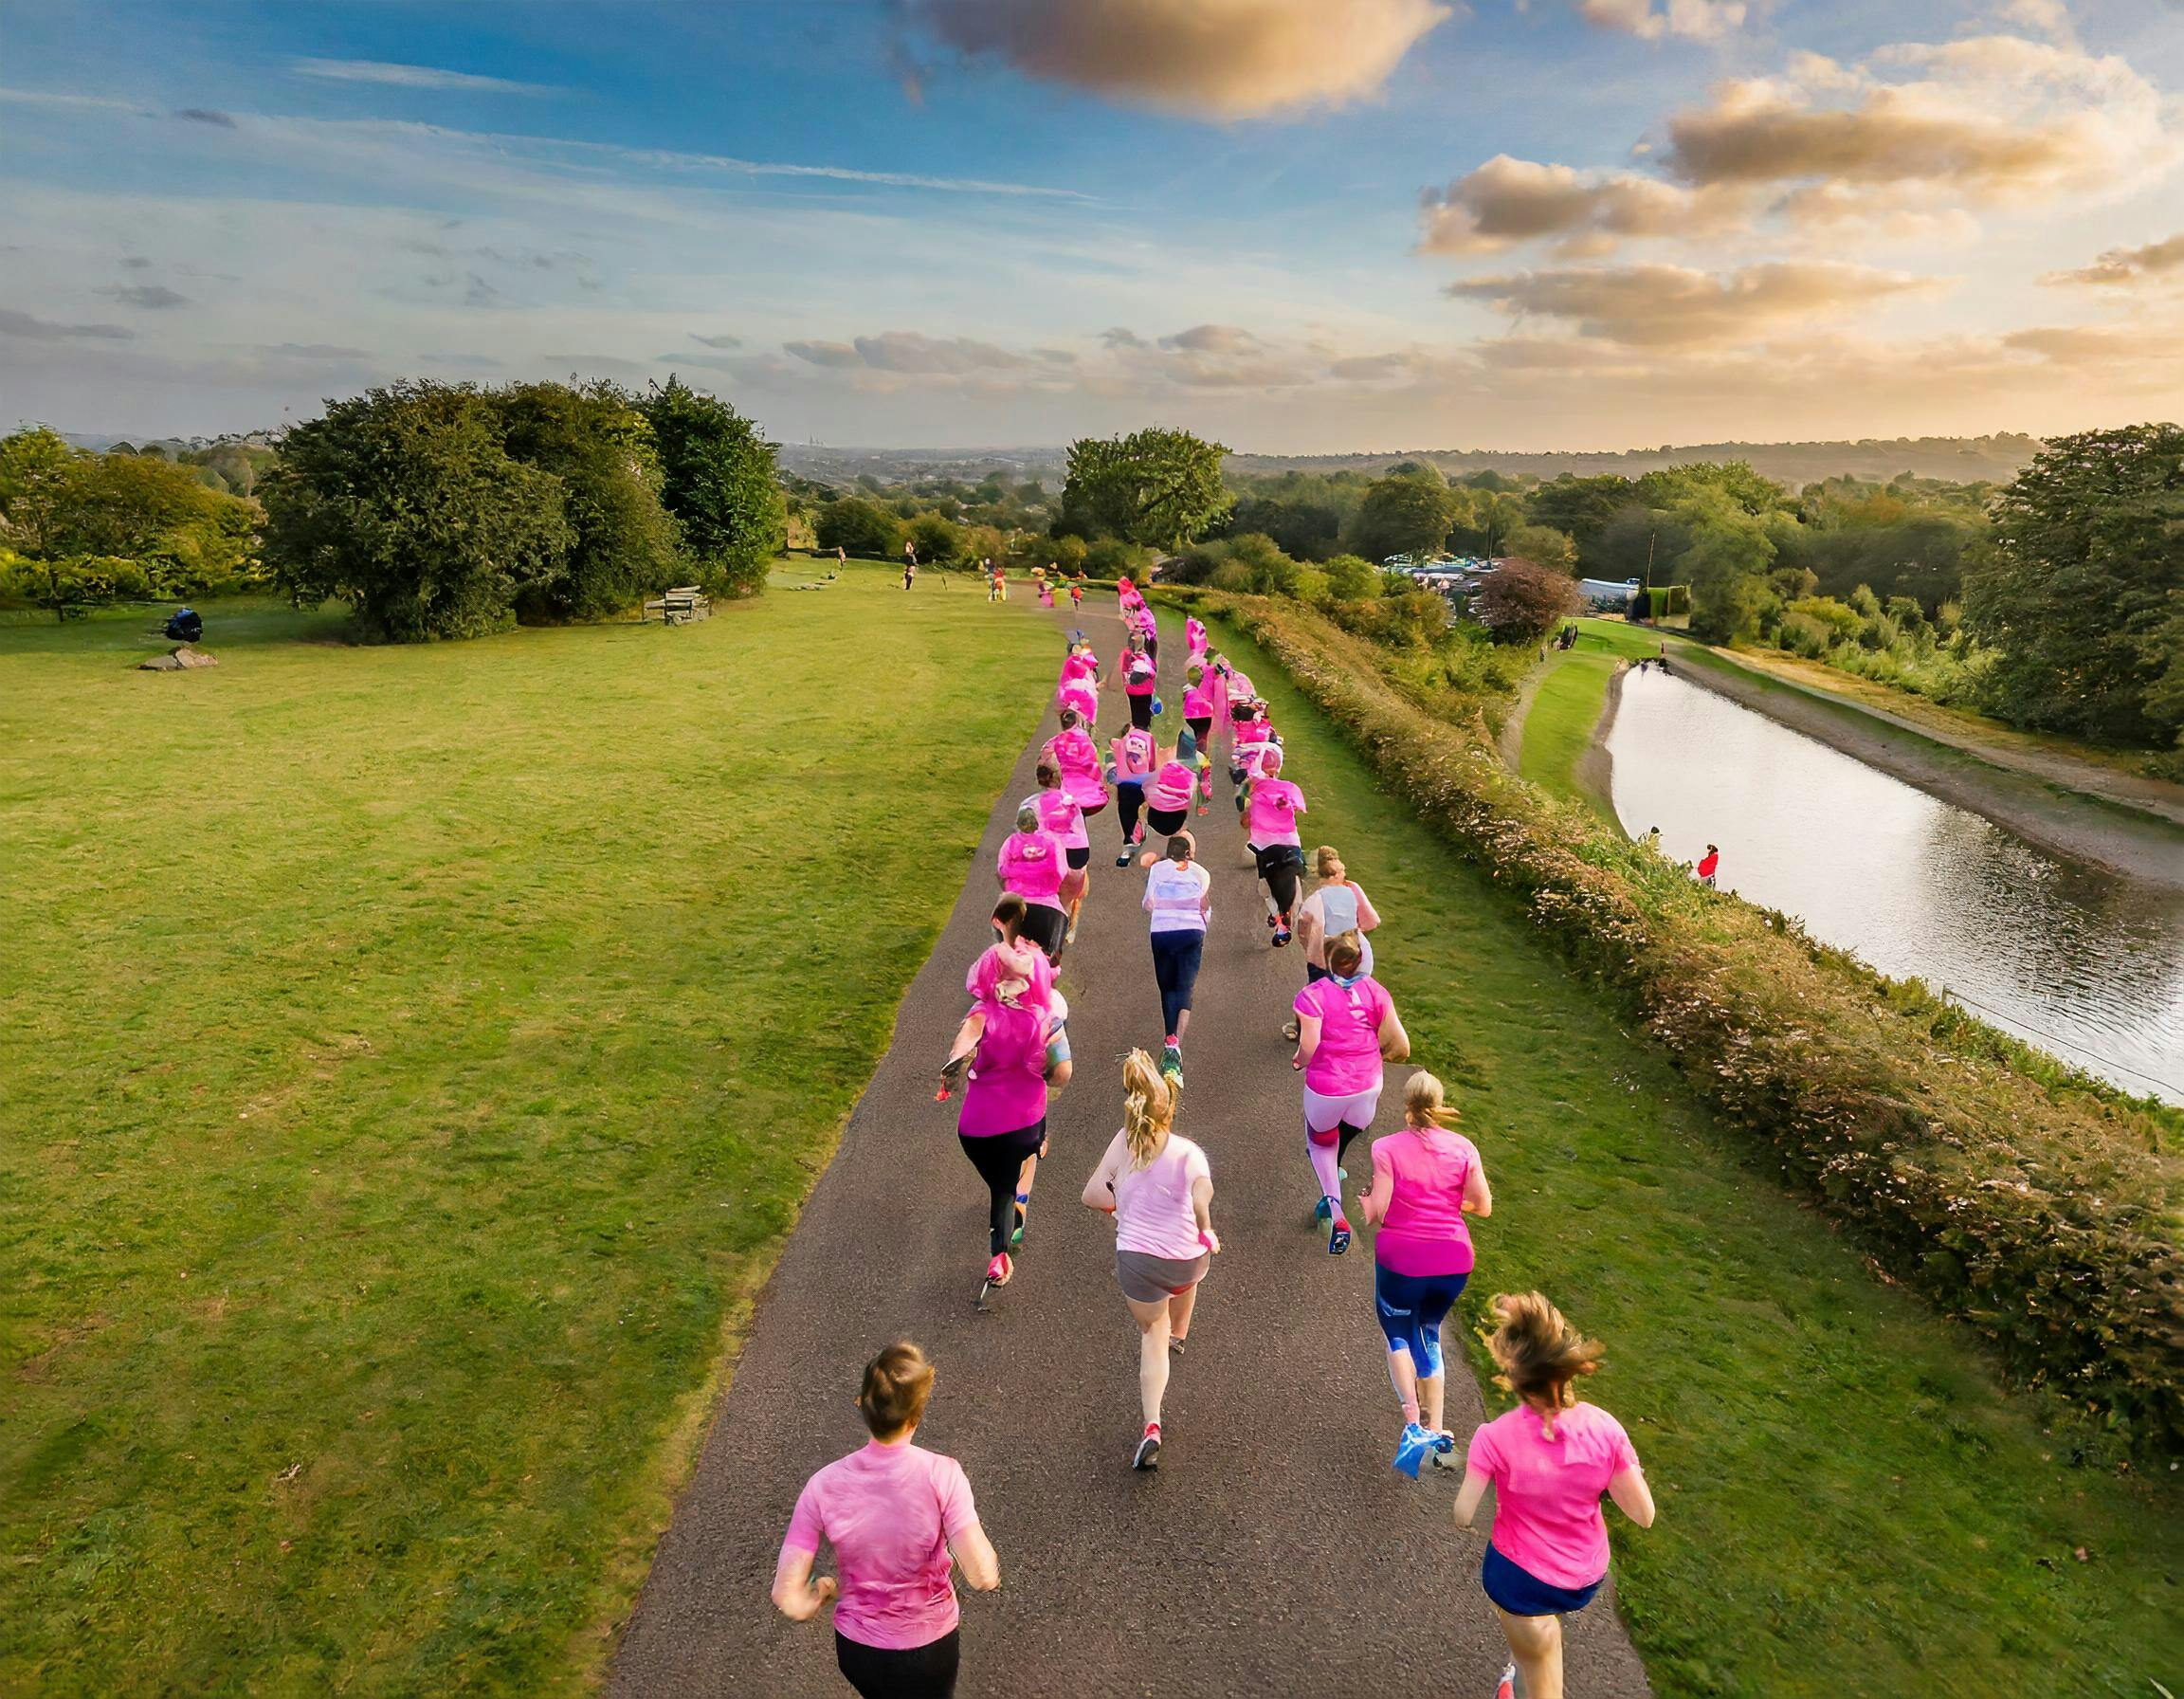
<point x="1694" y="20"/>
<point x="414" y="76"/>
<point x="2128" y="267"/>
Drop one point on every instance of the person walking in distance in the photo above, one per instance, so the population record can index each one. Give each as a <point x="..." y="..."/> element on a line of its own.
<point x="1179" y="899"/>
<point x="1426" y="1178"/>
<point x="896" y="1516"/>
<point x="1548" y="1460"/>
<point x="1159" y="1188"/>
<point x="1709" y="864"/>
<point x="1336" y="904"/>
<point x="1346" y="1028"/>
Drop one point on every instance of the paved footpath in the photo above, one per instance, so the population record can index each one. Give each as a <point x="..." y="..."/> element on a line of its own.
<point x="1274" y="1551"/>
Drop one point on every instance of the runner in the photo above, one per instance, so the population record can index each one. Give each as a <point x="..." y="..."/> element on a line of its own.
<point x="1060" y="816"/>
<point x="1548" y="1461"/>
<point x="909" y="573"/>
<point x="896" y="1515"/>
<point x="1076" y="598"/>
<point x="1194" y="640"/>
<point x="1167" y="797"/>
<point x="1179" y="897"/>
<point x="1002" y="1125"/>
<point x="1147" y="628"/>
<point x="1426" y="1178"/>
<point x="1077" y="758"/>
<point x="1159" y="1188"/>
<point x="1012" y="955"/>
<point x="1032" y="863"/>
<point x="1346" y="1025"/>
<point x="1131" y="754"/>
<point x="1251" y="736"/>
<point x="1272" y="805"/>
<point x="1709" y="864"/>
<point x="1336" y="904"/>
<point x="1046" y="592"/>
<point x="1139" y="673"/>
<point x="1080" y="696"/>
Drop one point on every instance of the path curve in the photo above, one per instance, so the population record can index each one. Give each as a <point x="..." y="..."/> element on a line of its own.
<point x="1274" y="1551"/>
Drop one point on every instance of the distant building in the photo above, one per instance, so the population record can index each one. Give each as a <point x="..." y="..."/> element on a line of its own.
<point x="1606" y="593"/>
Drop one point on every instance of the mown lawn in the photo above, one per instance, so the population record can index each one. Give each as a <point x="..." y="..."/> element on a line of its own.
<point x="1569" y="703"/>
<point x="1849" y="1505"/>
<point x="412" y="1058"/>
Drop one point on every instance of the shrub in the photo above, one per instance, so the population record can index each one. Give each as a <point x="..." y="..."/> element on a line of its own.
<point x="1522" y="601"/>
<point x="718" y="482"/>
<point x="2037" y="1205"/>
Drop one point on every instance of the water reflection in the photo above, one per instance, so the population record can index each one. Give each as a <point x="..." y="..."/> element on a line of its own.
<point x="2088" y="964"/>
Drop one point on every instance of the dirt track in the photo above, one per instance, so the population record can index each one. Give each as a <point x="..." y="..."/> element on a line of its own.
<point x="1275" y="1552"/>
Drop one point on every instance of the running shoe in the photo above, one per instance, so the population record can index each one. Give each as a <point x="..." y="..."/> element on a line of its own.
<point x="1273" y="921"/>
<point x="1322" y="1210"/>
<point x="1411" y="1450"/>
<point x="1148" y="1456"/>
<point x="1070" y="936"/>
<point x="1000" y="1270"/>
<point x="1507" y="1687"/>
<point x="1290" y="1032"/>
<point x="1281" y="937"/>
<point x="1172" y="1059"/>
<point x="1339" y="1236"/>
<point x="1174" y="1344"/>
<point x="1016" y="1239"/>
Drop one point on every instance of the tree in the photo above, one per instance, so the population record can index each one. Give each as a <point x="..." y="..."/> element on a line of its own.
<point x="1580" y="508"/>
<point x="404" y="502"/>
<point x="186" y="536"/>
<point x="718" y="481"/>
<point x="2080" y="587"/>
<point x="859" y="526"/>
<point x="1155" y="487"/>
<point x="1401" y="516"/>
<point x="1725" y="566"/>
<point x="938" y="538"/>
<point x="33" y="466"/>
<point x="1304" y="529"/>
<point x="1482" y="520"/>
<point x="623" y="543"/>
<point x="1520" y="601"/>
<point x="1351" y="579"/>
<point x="1544" y="546"/>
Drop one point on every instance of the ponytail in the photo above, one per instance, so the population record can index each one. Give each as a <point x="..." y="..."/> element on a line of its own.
<point x="1425" y="1104"/>
<point x="1148" y="1107"/>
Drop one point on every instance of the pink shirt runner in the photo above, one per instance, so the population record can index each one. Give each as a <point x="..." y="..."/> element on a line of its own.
<point x="1032" y="865"/>
<point x="889" y="1512"/>
<point x="1275" y="805"/>
<point x="1547" y="1493"/>
<point x="1193" y="634"/>
<point x="1171" y="787"/>
<point x="1153" y="1211"/>
<point x="1348" y="1058"/>
<point x="1139" y="674"/>
<point x="1424" y="1231"/>
<point x="1133" y="755"/>
<point x="1008" y="1080"/>
<point x="998" y="964"/>
<point x="1077" y="758"/>
<point x="1198" y="700"/>
<point x="1060" y="816"/>
<point x="1079" y="694"/>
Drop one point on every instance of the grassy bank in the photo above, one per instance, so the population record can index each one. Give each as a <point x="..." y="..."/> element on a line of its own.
<point x="1849" y="1505"/>
<point x="1566" y="707"/>
<point x="413" y="1058"/>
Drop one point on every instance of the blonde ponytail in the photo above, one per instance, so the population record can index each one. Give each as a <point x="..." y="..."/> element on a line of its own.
<point x="1148" y="1107"/>
<point x="1425" y="1104"/>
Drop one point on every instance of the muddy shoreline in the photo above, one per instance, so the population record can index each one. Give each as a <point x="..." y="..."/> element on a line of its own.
<point x="1595" y="771"/>
<point x="2059" y="821"/>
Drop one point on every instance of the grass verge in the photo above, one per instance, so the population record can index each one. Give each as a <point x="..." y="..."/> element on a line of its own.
<point x="1850" y="1503"/>
<point x="414" y="1057"/>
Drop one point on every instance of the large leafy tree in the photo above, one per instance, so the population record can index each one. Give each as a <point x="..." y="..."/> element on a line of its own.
<point x="1522" y="601"/>
<point x="1156" y="487"/>
<point x="2082" y="587"/>
<point x="1402" y="514"/>
<point x="404" y="502"/>
<point x="623" y="543"/>
<point x="184" y="535"/>
<point x="859" y="526"/>
<point x="720" y="483"/>
<point x="1580" y="508"/>
<point x="35" y="467"/>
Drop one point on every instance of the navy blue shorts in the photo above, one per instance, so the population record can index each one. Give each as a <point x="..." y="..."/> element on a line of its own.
<point x="1411" y="1309"/>
<point x="1523" y="1594"/>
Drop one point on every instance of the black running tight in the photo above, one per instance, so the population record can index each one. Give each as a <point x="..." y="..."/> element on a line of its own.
<point x="999" y="1158"/>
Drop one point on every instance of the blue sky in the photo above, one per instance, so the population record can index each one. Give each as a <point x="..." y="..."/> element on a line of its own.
<point x="954" y="222"/>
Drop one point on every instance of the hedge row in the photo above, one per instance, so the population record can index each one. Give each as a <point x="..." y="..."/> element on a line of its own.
<point x="2037" y="1205"/>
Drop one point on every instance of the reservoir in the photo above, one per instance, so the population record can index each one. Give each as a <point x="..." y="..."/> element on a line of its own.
<point x="2085" y="964"/>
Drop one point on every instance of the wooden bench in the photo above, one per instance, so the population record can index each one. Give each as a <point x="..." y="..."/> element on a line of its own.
<point x="681" y="606"/>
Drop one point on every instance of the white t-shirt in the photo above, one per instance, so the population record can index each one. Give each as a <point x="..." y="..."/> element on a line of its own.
<point x="1342" y="900"/>
<point x="1154" y="1214"/>
<point x="1173" y="894"/>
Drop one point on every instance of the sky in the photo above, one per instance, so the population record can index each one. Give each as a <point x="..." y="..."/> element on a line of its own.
<point x="1297" y="226"/>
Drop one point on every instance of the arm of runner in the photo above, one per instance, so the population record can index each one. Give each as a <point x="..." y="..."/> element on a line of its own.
<point x="1627" y="1487"/>
<point x="1202" y="1206"/>
<point x="974" y="1553"/>
<point x="967" y="1036"/>
<point x="1478" y="1194"/>
<point x="1099" y="1189"/>
<point x="1307" y="1039"/>
<point x="1469" y="1495"/>
<point x="1308" y="924"/>
<point x="1394" y="1041"/>
<point x="1381" y="1193"/>
<point x="1368" y="917"/>
<point x="795" y="1594"/>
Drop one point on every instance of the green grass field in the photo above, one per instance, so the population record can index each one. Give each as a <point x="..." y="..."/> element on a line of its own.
<point x="413" y="1058"/>
<point x="1570" y="700"/>
<point x="1848" y="1506"/>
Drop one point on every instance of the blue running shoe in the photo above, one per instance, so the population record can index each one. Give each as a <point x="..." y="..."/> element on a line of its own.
<point x="1338" y="1237"/>
<point x="1322" y="1210"/>
<point x="1413" y="1449"/>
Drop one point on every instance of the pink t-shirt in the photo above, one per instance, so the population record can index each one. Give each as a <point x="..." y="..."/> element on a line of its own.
<point x="1079" y="695"/>
<point x="1547" y="1493"/>
<point x="1060" y="816"/>
<point x="1348" y="1058"/>
<point x="1198" y="700"/>
<point x="889" y="1512"/>
<point x="1032" y="865"/>
<point x="1132" y="753"/>
<point x="1139" y="673"/>
<point x="1077" y="758"/>
<point x="1424" y="1231"/>
<point x="1170" y="788"/>
<point x="1275" y="805"/>
<point x="997" y="965"/>
<point x="1194" y="633"/>
<point x="1153" y="1211"/>
<point x="1239" y="685"/>
<point x="1080" y="664"/>
<point x="1007" y="1088"/>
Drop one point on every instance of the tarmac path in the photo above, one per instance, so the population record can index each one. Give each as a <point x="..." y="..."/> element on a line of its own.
<point x="1274" y="1551"/>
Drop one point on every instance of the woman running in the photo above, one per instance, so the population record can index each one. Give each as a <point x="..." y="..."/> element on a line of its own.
<point x="1147" y="628"/>
<point x="1251" y="737"/>
<point x="1346" y="1026"/>
<point x="1159" y="1188"/>
<point x="1002" y="1125"/>
<point x="896" y="1516"/>
<point x="1167" y="797"/>
<point x="1198" y="711"/>
<point x="1336" y="904"/>
<point x="1060" y="816"/>
<point x="1426" y="1178"/>
<point x="1194" y="640"/>
<point x="1548" y="1461"/>
<point x="1137" y="670"/>
<point x="1013" y="956"/>
<point x="1131" y="756"/>
<point x="1032" y="863"/>
<point x="1179" y="897"/>
<point x="1077" y="758"/>
<point x="1272" y="805"/>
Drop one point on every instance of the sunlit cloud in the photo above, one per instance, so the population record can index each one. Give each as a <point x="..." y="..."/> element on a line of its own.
<point x="1669" y="305"/>
<point x="2128" y="267"/>
<point x="1507" y="201"/>
<point x="1695" y="20"/>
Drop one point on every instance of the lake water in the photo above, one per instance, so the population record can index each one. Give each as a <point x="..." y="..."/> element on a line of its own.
<point x="2085" y="964"/>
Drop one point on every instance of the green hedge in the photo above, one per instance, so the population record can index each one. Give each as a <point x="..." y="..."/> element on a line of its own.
<point x="2036" y="1204"/>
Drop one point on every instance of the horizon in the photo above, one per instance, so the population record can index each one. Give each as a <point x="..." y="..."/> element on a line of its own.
<point x="937" y="222"/>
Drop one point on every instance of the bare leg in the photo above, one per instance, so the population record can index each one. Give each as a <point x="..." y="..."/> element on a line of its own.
<point x="1536" y="1643"/>
<point x="1182" y="1024"/>
<point x="1436" y="1387"/>
<point x="1152" y="1321"/>
<point x="1180" y="1309"/>
<point x="1403" y="1375"/>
